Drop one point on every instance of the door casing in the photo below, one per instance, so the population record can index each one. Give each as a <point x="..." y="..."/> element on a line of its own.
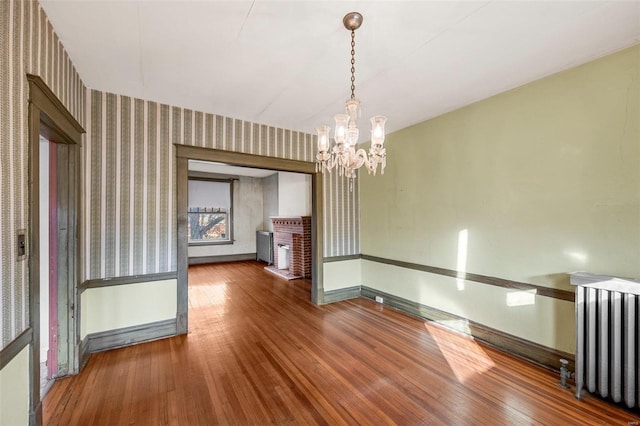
<point x="184" y="153"/>
<point x="50" y="118"/>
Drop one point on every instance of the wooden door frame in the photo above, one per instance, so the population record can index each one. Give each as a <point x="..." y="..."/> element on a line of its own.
<point x="49" y="117"/>
<point x="184" y="153"/>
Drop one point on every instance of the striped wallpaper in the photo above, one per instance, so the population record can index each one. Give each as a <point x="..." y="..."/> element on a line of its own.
<point x="129" y="196"/>
<point x="128" y="217"/>
<point x="341" y="215"/>
<point x="29" y="45"/>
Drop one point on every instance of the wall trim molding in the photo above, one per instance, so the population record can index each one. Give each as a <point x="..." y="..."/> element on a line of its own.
<point x="14" y="347"/>
<point x="341" y="294"/>
<point x="522" y="348"/>
<point x="199" y="260"/>
<point x="341" y="258"/>
<point x="128" y="336"/>
<point x="58" y="117"/>
<point x="483" y="279"/>
<point x="84" y="354"/>
<point x="132" y="279"/>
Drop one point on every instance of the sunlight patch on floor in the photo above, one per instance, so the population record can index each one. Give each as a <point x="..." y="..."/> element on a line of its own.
<point x="209" y="294"/>
<point x="465" y="357"/>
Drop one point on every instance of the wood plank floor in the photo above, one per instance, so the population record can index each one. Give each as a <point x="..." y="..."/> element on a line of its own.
<point x="259" y="352"/>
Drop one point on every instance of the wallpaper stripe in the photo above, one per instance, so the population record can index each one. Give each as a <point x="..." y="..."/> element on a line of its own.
<point x="135" y="173"/>
<point x="5" y="298"/>
<point x="29" y="45"/>
<point x="118" y="186"/>
<point x="128" y="222"/>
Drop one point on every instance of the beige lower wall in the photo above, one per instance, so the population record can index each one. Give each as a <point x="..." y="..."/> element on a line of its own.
<point x="344" y="274"/>
<point x="14" y="390"/>
<point x="549" y="322"/>
<point x="110" y="308"/>
<point x="529" y="185"/>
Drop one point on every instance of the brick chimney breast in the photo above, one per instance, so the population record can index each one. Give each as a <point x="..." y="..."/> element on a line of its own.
<point x="296" y="233"/>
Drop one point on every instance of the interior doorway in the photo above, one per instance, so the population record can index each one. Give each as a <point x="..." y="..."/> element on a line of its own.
<point x="184" y="154"/>
<point x="53" y="274"/>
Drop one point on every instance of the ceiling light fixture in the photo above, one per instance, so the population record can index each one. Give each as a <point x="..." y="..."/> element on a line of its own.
<point x="343" y="155"/>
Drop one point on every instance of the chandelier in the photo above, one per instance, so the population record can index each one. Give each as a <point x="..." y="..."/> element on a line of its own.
<point x="343" y="155"/>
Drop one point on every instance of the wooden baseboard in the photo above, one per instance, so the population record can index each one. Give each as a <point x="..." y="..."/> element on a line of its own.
<point x="338" y="295"/>
<point x="222" y="258"/>
<point x="83" y="353"/>
<point x="127" y="336"/>
<point x="531" y="351"/>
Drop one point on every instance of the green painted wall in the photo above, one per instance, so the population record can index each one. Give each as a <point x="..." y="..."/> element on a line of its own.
<point x="545" y="179"/>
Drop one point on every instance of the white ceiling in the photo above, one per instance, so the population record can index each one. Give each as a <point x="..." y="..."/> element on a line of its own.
<point x="286" y="63"/>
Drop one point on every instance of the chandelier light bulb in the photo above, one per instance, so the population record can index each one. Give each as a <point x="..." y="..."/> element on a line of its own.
<point x="323" y="138"/>
<point x="341" y="127"/>
<point x="377" y="129"/>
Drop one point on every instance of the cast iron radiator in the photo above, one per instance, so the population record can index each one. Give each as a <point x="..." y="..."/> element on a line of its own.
<point x="607" y="343"/>
<point x="264" y="246"/>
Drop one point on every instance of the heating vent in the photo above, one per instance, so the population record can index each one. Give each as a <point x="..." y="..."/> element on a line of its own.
<point x="264" y="246"/>
<point x="607" y="343"/>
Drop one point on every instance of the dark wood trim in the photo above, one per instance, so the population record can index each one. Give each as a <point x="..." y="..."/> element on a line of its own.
<point x="182" y="206"/>
<point x="217" y="177"/>
<point x="499" y="282"/>
<point x="59" y="121"/>
<point x="184" y="153"/>
<point x="83" y="353"/>
<point x="341" y="258"/>
<point x="15" y="347"/>
<point x="317" y="242"/>
<point x="221" y="258"/>
<point x="33" y="252"/>
<point x="127" y="336"/>
<point x="132" y="279"/>
<point x="242" y="159"/>
<point x="49" y="116"/>
<point x="341" y="294"/>
<point x="531" y="351"/>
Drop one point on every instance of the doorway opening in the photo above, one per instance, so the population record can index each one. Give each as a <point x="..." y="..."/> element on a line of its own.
<point x="53" y="273"/>
<point x="186" y="153"/>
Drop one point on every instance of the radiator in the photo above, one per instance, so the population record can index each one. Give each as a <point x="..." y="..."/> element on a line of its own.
<point x="264" y="246"/>
<point x="607" y="343"/>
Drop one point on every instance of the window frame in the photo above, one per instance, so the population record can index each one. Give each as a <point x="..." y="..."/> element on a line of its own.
<point x="203" y="176"/>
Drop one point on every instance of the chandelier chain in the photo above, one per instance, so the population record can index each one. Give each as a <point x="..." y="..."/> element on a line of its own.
<point x="353" y="64"/>
<point x="344" y="154"/>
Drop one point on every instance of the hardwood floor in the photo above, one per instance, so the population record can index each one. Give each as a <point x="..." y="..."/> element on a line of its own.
<point x="259" y="352"/>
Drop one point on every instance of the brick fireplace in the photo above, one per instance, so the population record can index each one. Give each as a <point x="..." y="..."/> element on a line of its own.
<point x="294" y="232"/>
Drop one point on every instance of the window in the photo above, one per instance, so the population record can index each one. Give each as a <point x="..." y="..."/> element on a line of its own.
<point x="210" y="213"/>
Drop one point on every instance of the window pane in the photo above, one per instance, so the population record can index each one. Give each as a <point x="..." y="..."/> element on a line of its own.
<point x="209" y="209"/>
